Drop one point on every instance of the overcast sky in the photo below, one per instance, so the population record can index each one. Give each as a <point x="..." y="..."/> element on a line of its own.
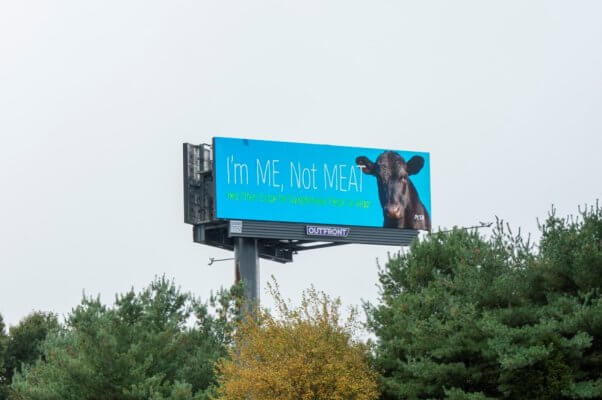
<point x="97" y="97"/>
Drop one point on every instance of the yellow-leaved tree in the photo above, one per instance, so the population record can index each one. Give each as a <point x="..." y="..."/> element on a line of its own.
<point x="301" y="353"/>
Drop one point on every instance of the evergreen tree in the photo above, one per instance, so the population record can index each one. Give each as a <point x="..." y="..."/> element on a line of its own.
<point x="464" y="317"/>
<point x="156" y="344"/>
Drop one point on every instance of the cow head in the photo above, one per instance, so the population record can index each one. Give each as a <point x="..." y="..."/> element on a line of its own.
<point x="392" y="173"/>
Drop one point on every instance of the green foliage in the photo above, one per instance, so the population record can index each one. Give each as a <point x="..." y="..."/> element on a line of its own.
<point x="25" y="339"/>
<point x="3" y="346"/>
<point x="465" y="317"/>
<point x="157" y="344"/>
<point x="3" y="340"/>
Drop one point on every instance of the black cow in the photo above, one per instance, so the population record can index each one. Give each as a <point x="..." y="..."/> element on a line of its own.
<point x="402" y="207"/>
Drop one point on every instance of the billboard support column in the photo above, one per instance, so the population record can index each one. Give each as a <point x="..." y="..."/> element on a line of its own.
<point x="246" y="262"/>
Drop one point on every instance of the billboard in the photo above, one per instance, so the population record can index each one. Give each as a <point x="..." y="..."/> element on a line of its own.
<point x="321" y="184"/>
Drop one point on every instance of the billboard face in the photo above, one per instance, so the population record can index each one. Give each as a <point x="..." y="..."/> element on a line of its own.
<point x="321" y="184"/>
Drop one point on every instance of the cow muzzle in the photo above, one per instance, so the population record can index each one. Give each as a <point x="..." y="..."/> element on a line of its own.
<point x="394" y="211"/>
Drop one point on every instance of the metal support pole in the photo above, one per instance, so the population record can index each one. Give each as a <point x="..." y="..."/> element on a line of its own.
<point x="246" y="265"/>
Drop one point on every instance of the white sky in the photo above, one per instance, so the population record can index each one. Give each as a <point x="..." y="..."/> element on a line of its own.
<point x="96" y="99"/>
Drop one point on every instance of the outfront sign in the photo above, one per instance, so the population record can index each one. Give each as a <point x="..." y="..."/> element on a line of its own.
<point x="321" y="184"/>
<point x="330" y="231"/>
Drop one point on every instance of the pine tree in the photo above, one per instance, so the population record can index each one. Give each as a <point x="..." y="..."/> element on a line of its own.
<point x="461" y="316"/>
<point x="156" y="344"/>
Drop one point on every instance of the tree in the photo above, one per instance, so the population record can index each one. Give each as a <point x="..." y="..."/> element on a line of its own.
<point x="303" y="353"/>
<point x="23" y="347"/>
<point x="465" y="317"/>
<point x="156" y="344"/>
<point x="3" y="345"/>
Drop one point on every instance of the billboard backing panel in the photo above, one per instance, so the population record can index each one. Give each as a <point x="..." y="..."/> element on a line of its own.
<point x="321" y="184"/>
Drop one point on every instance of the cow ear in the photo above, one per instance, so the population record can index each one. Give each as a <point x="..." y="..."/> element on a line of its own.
<point x="368" y="166"/>
<point x="415" y="165"/>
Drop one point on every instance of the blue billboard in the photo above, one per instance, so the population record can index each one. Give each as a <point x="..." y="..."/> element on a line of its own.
<point x="321" y="184"/>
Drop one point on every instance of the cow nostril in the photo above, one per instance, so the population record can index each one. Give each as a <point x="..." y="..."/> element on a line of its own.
<point x="394" y="212"/>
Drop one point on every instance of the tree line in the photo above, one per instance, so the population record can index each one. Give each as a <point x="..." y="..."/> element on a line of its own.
<point x="460" y="315"/>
